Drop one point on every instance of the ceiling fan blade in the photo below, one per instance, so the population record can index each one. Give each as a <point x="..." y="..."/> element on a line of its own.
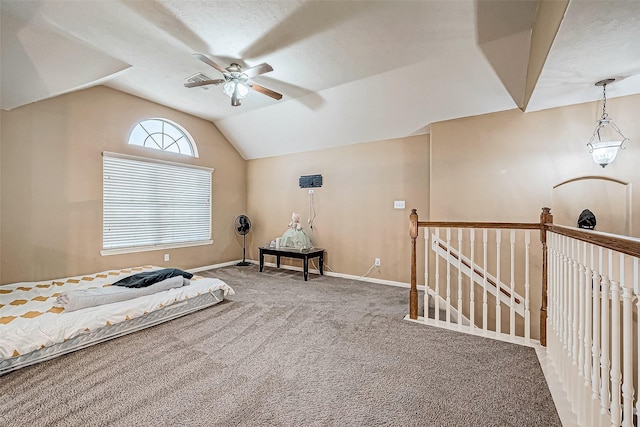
<point x="309" y="98"/>
<point x="318" y="16"/>
<point x="209" y="62"/>
<point x="204" y="83"/>
<point x="257" y="70"/>
<point x="263" y="90"/>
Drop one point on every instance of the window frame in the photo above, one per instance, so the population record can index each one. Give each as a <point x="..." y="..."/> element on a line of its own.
<point x="157" y="246"/>
<point x="183" y="131"/>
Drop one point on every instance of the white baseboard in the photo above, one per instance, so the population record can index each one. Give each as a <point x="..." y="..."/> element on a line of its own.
<point x="315" y="271"/>
<point x="568" y="418"/>
<point x="214" y="266"/>
<point x="344" y="276"/>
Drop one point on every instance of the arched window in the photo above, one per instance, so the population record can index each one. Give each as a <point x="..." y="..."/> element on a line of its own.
<point x="163" y="135"/>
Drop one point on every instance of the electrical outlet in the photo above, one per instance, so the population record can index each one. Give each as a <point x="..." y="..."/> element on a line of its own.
<point x="310" y="191"/>
<point x="377" y="262"/>
<point x="166" y="257"/>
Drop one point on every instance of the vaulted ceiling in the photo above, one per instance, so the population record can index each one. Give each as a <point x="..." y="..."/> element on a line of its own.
<point x="350" y="71"/>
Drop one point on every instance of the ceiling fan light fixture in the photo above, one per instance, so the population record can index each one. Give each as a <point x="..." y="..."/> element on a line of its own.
<point x="607" y="138"/>
<point x="235" y="85"/>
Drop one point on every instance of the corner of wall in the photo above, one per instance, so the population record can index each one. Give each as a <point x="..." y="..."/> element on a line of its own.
<point x="1" y="168"/>
<point x="549" y="17"/>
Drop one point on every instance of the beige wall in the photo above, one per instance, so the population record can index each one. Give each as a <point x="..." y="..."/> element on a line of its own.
<point x="503" y="166"/>
<point x="355" y="220"/>
<point x="51" y="184"/>
<point x="1" y="127"/>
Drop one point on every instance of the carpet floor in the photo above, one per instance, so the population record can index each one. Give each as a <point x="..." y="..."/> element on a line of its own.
<point x="284" y="352"/>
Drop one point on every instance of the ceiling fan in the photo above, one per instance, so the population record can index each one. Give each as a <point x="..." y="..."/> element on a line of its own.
<point x="237" y="81"/>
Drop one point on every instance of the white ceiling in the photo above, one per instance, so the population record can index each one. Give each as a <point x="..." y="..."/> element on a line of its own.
<point x="350" y="71"/>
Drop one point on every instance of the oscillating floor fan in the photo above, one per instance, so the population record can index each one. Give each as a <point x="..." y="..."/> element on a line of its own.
<point x="242" y="227"/>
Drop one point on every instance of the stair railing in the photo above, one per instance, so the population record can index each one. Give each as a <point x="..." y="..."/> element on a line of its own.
<point x="482" y="256"/>
<point x="589" y="282"/>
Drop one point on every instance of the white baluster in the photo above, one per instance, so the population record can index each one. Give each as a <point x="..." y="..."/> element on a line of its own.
<point x="565" y="296"/>
<point x="553" y="284"/>
<point x="636" y="291"/>
<point x="459" y="278"/>
<point x="485" y="308"/>
<point x="552" y="295"/>
<point x="560" y="287"/>
<point x="527" y="312"/>
<point x="512" y="309"/>
<point x="605" y="362"/>
<point x="627" y="352"/>
<point x="560" y="290"/>
<point x="579" y="386"/>
<point x="575" y="302"/>
<point x="448" y="306"/>
<point x="427" y="235"/>
<point x="626" y="387"/>
<point x="581" y="314"/>
<point x="572" y="320"/>
<point x="595" y="350"/>
<point x="498" y="307"/>
<point x="472" y="302"/>
<point x="564" y="334"/>
<point x="588" y="288"/>
<point x="575" y="299"/>
<point x="616" y="380"/>
<point x="569" y="301"/>
<point x="436" y="315"/>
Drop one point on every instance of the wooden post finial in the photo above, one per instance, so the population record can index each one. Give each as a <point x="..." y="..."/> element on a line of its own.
<point x="413" y="224"/>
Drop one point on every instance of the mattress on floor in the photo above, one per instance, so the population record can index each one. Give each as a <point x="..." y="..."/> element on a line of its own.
<point x="31" y="320"/>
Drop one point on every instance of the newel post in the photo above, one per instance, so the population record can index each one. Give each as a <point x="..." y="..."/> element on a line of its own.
<point x="545" y="218"/>
<point x="413" y="293"/>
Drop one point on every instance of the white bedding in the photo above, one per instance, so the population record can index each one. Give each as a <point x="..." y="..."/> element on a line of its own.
<point x="78" y="299"/>
<point x="30" y="317"/>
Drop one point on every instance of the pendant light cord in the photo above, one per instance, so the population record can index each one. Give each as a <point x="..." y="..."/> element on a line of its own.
<point x="604" y="101"/>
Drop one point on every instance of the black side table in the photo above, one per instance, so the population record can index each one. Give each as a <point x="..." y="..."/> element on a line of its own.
<point x="303" y="254"/>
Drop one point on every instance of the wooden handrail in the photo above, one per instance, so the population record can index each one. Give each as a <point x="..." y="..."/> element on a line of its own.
<point x="455" y="224"/>
<point x="627" y="245"/>
<point x="623" y="244"/>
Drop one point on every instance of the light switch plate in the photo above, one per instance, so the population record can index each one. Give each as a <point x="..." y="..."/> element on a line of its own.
<point x="398" y="204"/>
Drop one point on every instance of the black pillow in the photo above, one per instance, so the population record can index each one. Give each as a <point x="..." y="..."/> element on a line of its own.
<point x="148" y="278"/>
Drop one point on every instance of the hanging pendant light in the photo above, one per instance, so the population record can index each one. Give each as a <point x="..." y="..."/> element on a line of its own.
<point x="607" y="138"/>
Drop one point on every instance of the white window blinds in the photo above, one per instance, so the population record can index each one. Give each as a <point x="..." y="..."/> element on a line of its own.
<point x="150" y="204"/>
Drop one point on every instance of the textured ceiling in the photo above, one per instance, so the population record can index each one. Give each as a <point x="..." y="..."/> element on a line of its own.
<point x="350" y="71"/>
